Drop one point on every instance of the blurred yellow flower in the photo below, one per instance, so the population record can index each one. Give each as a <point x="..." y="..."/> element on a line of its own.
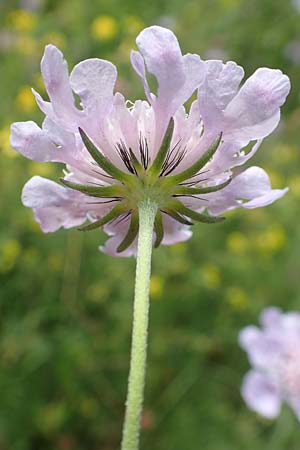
<point x="104" y="28"/>
<point x="132" y="24"/>
<point x="272" y="240"/>
<point x="25" y="99"/>
<point x="9" y="253"/>
<point x="22" y="20"/>
<point x="5" y="144"/>
<point x="237" y="242"/>
<point x="156" y="287"/>
<point x="211" y="276"/>
<point x="237" y="298"/>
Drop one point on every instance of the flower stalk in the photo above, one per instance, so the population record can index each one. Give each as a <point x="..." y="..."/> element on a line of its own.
<point x="134" y="404"/>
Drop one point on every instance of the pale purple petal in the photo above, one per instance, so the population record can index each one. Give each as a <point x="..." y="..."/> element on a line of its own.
<point x="221" y="85"/>
<point x="262" y="351"/>
<point x="174" y="231"/>
<point x="161" y="52"/>
<point x="266" y="199"/>
<point x="124" y="125"/>
<point x="94" y="80"/>
<point x="111" y="245"/>
<point x="274" y="351"/>
<point x="250" y="114"/>
<point x="56" y="77"/>
<point x="64" y="140"/>
<point x="31" y="141"/>
<point x="138" y="64"/>
<point x="177" y="76"/>
<point x="144" y="116"/>
<point x="255" y="111"/>
<point x="271" y="317"/>
<point x="51" y="219"/>
<point x="291" y="325"/>
<point x="261" y="395"/>
<point x="253" y="185"/>
<point x="195" y="71"/>
<point x="264" y="347"/>
<point x="45" y="107"/>
<point x="54" y="206"/>
<point x="253" y="182"/>
<point x="230" y="155"/>
<point x="249" y="337"/>
<point x="117" y="231"/>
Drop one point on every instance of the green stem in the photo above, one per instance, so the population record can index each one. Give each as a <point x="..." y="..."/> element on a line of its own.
<point x="136" y="382"/>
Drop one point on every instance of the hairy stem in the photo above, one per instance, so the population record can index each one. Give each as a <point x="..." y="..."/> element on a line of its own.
<point x="136" y="382"/>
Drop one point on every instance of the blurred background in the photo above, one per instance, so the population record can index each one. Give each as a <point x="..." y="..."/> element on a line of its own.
<point x="66" y="308"/>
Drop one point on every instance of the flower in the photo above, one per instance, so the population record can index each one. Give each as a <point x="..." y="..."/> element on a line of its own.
<point x="274" y="353"/>
<point x="118" y="153"/>
<point x="25" y="99"/>
<point x="104" y="28"/>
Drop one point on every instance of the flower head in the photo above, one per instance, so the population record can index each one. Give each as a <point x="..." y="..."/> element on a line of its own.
<point x="119" y="153"/>
<point x="274" y="352"/>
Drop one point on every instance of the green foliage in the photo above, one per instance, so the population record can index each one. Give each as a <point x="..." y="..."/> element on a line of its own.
<point x="66" y="308"/>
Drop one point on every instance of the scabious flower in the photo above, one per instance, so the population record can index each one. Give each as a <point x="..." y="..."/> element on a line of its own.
<point x="274" y="353"/>
<point x="118" y="153"/>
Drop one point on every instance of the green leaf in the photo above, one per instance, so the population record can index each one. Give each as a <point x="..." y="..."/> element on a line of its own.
<point x="198" y="217"/>
<point x="131" y="233"/>
<point x="102" y="161"/>
<point x="115" y="212"/>
<point x="95" y="191"/>
<point x="158" y="228"/>
<point x="176" y="216"/>
<point x="182" y="190"/>
<point x="198" y="165"/>
<point x="161" y="155"/>
<point x="136" y="164"/>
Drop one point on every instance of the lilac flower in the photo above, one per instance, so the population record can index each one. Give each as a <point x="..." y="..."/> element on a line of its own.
<point x="117" y="153"/>
<point x="274" y="352"/>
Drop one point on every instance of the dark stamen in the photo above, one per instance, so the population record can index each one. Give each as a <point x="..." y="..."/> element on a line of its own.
<point x="167" y="163"/>
<point x="144" y="151"/>
<point x="192" y="196"/>
<point x="180" y="154"/>
<point x="193" y="183"/>
<point x="100" y="173"/>
<point x="93" y="183"/>
<point x="199" y="173"/>
<point x="122" y="218"/>
<point x="117" y="199"/>
<point x="124" y="154"/>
